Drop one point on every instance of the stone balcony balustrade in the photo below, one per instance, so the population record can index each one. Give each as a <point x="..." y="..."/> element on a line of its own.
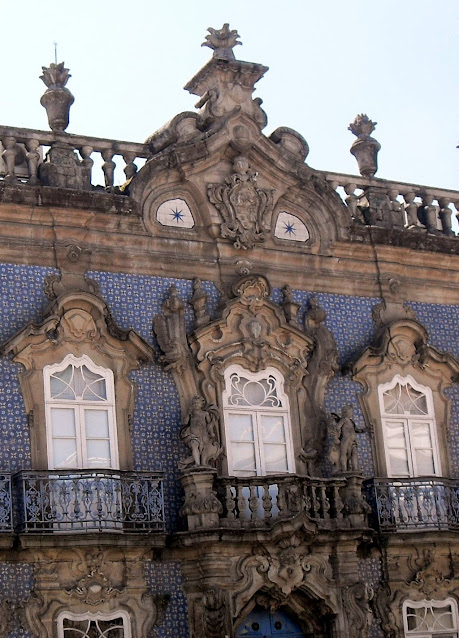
<point x="257" y="502"/>
<point x="414" y="504"/>
<point x="78" y="501"/>
<point x="23" y="152"/>
<point x="378" y="202"/>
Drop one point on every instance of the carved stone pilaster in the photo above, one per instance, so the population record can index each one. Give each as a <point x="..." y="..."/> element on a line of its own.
<point x="201" y="507"/>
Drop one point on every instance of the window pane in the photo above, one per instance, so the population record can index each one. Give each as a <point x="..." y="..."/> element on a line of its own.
<point x="96" y="424"/>
<point x="244" y="458"/>
<point x="98" y="453"/>
<point x="395" y="432"/>
<point x="94" y="386"/>
<point x="65" y="453"/>
<point x="275" y="458"/>
<point x="273" y="429"/>
<point x="398" y="460"/>
<point x="63" y="422"/>
<point x="420" y="435"/>
<point x="241" y="427"/>
<point x="424" y="463"/>
<point x="61" y="384"/>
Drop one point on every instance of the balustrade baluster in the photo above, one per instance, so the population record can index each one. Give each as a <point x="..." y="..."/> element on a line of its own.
<point x="445" y="216"/>
<point x="108" y="167"/>
<point x="429" y="214"/>
<point x="242" y="504"/>
<point x="281" y="499"/>
<point x="33" y="157"/>
<point x="87" y="162"/>
<point x="397" y="213"/>
<point x="411" y="209"/>
<point x="130" y="169"/>
<point x="253" y="502"/>
<point x="9" y="157"/>
<point x="315" y="502"/>
<point x="351" y="201"/>
<point x="325" y="503"/>
<point x="267" y="502"/>
<point x="230" y="502"/>
<point x="338" y="501"/>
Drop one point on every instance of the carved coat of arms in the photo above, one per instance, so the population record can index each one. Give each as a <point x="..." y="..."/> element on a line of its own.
<point x="246" y="209"/>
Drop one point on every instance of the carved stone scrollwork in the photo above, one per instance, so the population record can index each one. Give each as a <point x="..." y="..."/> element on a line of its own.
<point x="356" y="599"/>
<point x="245" y="208"/>
<point x="427" y="578"/>
<point x="170" y="331"/>
<point x="198" y="301"/>
<point x="199" y="432"/>
<point x="381" y="604"/>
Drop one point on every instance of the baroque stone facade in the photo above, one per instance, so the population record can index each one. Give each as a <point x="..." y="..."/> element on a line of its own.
<point x="229" y="385"/>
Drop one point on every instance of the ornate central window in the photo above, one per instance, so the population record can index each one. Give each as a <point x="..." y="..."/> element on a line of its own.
<point x="257" y="423"/>
<point x="430" y="619"/>
<point x="80" y="415"/>
<point x="98" y="625"/>
<point x="409" y="428"/>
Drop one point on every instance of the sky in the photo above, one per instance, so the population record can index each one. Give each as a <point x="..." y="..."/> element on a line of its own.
<point x="396" y="60"/>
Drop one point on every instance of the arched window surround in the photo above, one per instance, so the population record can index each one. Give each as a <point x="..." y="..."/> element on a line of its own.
<point x="265" y="421"/>
<point x="414" y="429"/>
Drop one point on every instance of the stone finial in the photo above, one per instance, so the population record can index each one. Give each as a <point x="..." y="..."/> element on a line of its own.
<point x="365" y="148"/>
<point x="57" y="98"/>
<point x="222" y="41"/>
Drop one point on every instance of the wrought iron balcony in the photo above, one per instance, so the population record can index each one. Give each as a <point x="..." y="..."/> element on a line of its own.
<point x="257" y="501"/>
<point x="88" y="500"/>
<point x="410" y="504"/>
<point x="6" y="504"/>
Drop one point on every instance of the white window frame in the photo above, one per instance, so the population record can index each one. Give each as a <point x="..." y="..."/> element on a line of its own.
<point x="79" y="406"/>
<point x="256" y="414"/>
<point x="407" y="420"/>
<point x="67" y="615"/>
<point x="434" y="604"/>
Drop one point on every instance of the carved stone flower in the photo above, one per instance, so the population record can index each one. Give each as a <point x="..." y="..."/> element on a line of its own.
<point x="55" y="75"/>
<point x="222" y="41"/>
<point x="362" y="125"/>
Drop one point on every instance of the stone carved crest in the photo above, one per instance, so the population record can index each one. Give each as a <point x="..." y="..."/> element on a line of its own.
<point x="199" y="432"/>
<point x="245" y="208"/>
<point x="427" y="577"/>
<point x="94" y="588"/>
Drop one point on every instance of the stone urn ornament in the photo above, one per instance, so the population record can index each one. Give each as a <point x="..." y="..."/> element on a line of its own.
<point x="365" y="148"/>
<point x="57" y="98"/>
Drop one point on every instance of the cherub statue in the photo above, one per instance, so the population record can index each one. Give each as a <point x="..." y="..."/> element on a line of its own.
<point x="343" y="452"/>
<point x="199" y="433"/>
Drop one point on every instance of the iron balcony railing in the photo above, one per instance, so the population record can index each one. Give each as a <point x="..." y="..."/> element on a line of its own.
<point x="410" y="504"/>
<point x="6" y="504"/>
<point x="88" y="500"/>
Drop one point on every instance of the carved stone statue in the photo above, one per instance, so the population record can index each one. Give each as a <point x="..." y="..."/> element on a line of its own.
<point x="343" y="452"/>
<point x="246" y="209"/>
<point x="199" y="433"/>
<point x="169" y="329"/>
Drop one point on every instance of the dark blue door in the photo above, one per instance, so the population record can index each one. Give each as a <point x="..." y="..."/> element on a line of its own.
<point x="263" y="623"/>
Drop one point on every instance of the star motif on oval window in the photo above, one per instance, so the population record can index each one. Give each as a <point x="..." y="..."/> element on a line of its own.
<point x="175" y="212"/>
<point x="290" y="227"/>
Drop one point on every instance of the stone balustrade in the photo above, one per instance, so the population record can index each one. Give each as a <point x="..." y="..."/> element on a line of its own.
<point x="23" y="151"/>
<point x="379" y="202"/>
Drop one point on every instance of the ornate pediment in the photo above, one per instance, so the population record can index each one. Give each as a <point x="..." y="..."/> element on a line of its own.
<point x="253" y="332"/>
